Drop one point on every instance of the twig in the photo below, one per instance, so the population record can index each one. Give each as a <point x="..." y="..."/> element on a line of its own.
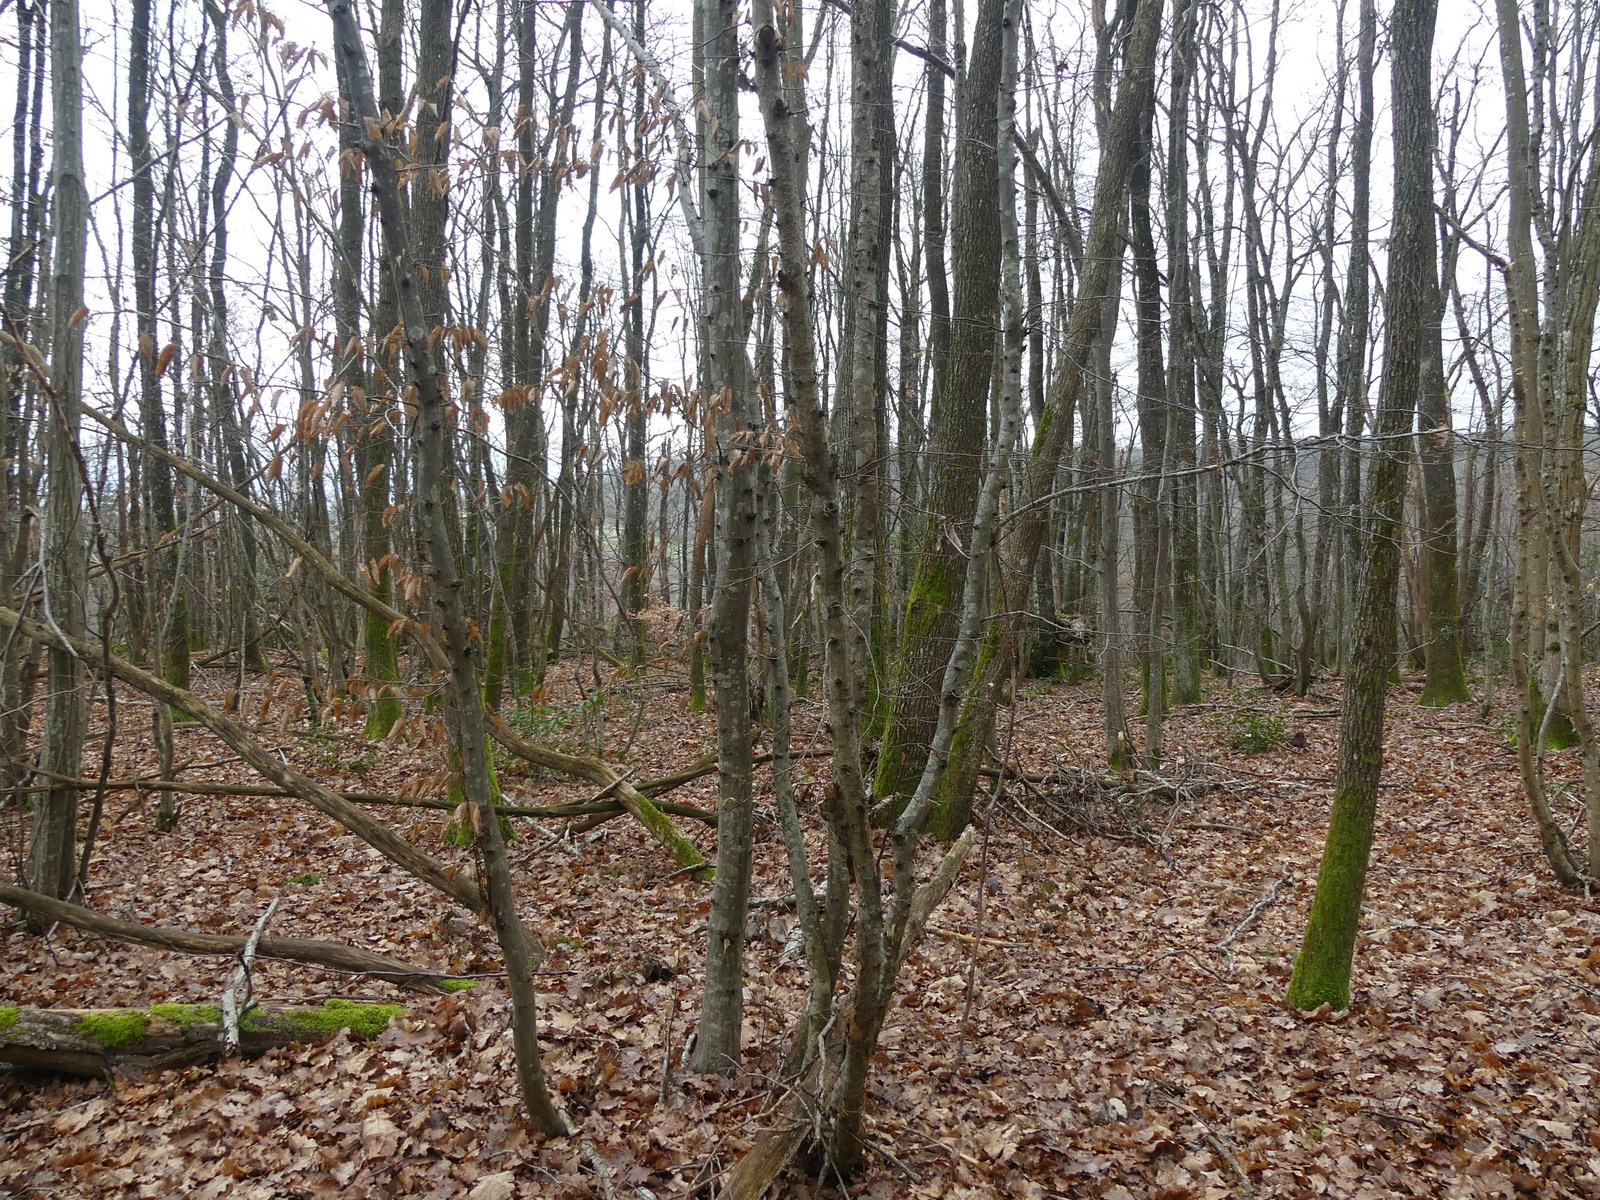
<point x="231" y="1006"/>
<point x="1219" y="827"/>
<point x="1212" y="1137"/>
<point x="1384" y="1114"/>
<point x="666" y="1045"/>
<point x="1572" y="983"/>
<point x="1250" y="918"/>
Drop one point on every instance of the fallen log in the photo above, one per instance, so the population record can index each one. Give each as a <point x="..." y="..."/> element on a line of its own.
<point x="98" y="1042"/>
<point x="351" y="959"/>
<point x="594" y="771"/>
<point x="202" y="788"/>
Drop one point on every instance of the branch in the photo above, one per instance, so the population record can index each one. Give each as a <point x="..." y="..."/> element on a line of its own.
<point x="333" y="955"/>
<point x="447" y="879"/>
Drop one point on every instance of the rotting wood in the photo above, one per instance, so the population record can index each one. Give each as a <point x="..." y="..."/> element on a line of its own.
<point x="98" y="1042"/>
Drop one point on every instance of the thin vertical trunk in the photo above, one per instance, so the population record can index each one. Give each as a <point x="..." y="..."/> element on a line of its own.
<point x="1445" y="680"/>
<point x="636" y="498"/>
<point x="1150" y="515"/>
<point x="1184" y="506"/>
<point x="1351" y="390"/>
<point x="17" y="396"/>
<point x="721" y="1016"/>
<point x="223" y="377"/>
<point x="1322" y="970"/>
<point x="464" y="709"/>
<point x="51" y="866"/>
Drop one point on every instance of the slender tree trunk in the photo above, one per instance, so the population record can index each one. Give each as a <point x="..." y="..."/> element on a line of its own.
<point x="1185" y="534"/>
<point x="1351" y="397"/>
<point x="51" y="864"/>
<point x="1445" y="680"/>
<point x="636" y="484"/>
<point x="721" y="1016"/>
<point x="464" y="707"/>
<point x="18" y="670"/>
<point x="223" y="376"/>
<point x="1322" y="970"/>
<point x="166" y="608"/>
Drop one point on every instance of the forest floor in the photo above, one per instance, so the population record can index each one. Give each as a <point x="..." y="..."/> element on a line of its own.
<point x="1096" y="1011"/>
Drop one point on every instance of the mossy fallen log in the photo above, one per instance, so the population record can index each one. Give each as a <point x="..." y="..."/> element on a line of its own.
<point x="99" y="1042"/>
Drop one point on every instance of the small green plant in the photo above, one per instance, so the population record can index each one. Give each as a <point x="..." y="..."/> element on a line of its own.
<point x="1253" y="733"/>
<point x="309" y="879"/>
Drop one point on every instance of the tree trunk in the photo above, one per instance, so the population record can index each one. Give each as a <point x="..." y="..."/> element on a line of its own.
<point x="1322" y="970"/>
<point x="960" y="407"/>
<point x="721" y="1016"/>
<point x="51" y="866"/>
<point x="1445" y="679"/>
<point x="464" y="706"/>
<point x="1545" y="656"/>
<point x="1185" y="534"/>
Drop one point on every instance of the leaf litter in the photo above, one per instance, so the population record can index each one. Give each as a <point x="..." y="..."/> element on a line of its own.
<point x="1096" y="1011"/>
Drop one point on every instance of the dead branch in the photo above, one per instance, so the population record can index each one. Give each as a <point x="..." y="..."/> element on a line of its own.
<point x="601" y="774"/>
<point x="379" y="836"/>
<point x="602" y="808"/>
<point x="334" y="955"/>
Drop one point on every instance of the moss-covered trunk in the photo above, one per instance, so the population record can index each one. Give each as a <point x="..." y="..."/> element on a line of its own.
<point x="1322" y="970"/>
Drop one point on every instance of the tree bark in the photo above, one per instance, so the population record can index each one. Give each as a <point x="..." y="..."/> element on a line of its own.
<point x="51" y="864"/>
<point x="962" y="382"/>
<point x="1322" y="970"/>
<point x="1445" y="678"/>
<point x="721" y="1017"/>
<point x="464" y="705"/>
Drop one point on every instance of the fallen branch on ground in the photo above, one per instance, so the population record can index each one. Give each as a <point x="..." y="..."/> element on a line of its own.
<point x="601" y="774"/>
<point x="587" y="809"/>
<point x="339" y="957"/>
<point x="1252" y="916"/>
<point x="447" y="879"/>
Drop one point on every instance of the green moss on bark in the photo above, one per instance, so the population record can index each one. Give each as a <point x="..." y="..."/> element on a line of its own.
<point x="1322" y="969"/>
<point x="114" y="1030"/>
<point x="8" y="1017"/>
<point x="185" y="1015"/>
<point x="367" y="1020"/>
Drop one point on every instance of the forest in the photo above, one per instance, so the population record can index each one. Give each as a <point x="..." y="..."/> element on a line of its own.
<point x="609" y="598"/>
